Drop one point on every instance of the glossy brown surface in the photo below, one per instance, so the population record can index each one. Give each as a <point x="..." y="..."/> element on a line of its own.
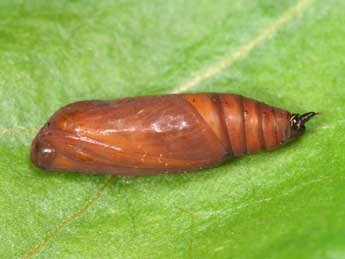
<point x="157" y="134"/>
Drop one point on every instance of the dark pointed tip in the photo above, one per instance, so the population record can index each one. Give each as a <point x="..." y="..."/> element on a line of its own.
<point x="307" y="116"/>
<point x="297" y="121"/>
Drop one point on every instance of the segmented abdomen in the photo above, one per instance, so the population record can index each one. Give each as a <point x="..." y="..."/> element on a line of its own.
<point x="242" y="125"/>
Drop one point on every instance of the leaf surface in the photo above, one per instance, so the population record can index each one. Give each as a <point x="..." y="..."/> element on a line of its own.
<point x="288" y="203"/>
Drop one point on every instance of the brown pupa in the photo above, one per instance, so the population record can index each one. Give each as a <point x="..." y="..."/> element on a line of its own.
<point x="161" y="134"/>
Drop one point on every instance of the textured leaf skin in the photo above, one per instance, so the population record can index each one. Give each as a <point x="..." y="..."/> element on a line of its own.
<point x="288" y="203"/>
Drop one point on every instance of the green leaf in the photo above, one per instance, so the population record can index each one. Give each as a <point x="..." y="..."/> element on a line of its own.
<point x="288" y="203"/>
